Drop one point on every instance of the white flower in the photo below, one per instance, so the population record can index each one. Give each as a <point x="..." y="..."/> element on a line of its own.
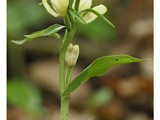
<point x="60" y="7"/>
<point x="86" y="4"/>
<point x="71" y="55"/>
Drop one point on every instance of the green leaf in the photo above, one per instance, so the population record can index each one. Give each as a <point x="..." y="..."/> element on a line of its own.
<point x="98" y="68"/>
<point x="19" y="42"/>
<point x="77" y="16"/>
<point x="100" y="15"/>
<point x="50" y="31"/>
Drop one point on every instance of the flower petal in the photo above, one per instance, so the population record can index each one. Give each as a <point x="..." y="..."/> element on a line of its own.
<point x="100" y="9"/>
<point x="84" y="4"/>
<point x="60" y="6"/>
<point x="49" y="9"/>
<point x="89" y="17"/>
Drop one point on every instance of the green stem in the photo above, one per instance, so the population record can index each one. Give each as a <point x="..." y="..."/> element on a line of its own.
<point x="67" y="39"/>
<point x="65" y="106"/>
<point x="69" y="34"/>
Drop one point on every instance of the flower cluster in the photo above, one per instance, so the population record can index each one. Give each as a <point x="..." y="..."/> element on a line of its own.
<point x="60" y="7"/>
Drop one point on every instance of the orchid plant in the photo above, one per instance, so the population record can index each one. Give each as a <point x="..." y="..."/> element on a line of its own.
<point x="74" y="12"/>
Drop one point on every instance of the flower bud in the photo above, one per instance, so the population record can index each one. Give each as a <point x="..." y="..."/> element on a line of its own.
<point x="72" y="54"/>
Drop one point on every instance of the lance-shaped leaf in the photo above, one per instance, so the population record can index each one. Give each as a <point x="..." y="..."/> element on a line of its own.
<point x="50" y="31"/>
<point x="100" y="16"/>
<point x="98" y="68"/>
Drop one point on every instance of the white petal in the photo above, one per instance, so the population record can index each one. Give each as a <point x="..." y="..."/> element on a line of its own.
<point x="89" y="17"/>
<point x="60" y="6"/>
<point x="49" y="9"/>
<point x="84" y="4"/>
<point x="100" y="9"/>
